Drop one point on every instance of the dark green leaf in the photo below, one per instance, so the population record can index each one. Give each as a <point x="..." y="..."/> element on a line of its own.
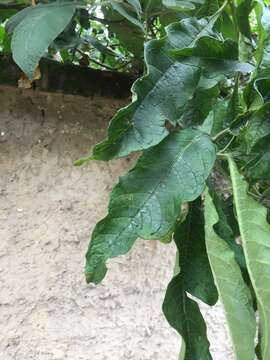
<point x="159" y="96"/>
<point x="258" y="168"/>
<point x="183" y="314"/>
<point x="146" y="202"/>
<point x="243" y="10"/>
<point x="193" y="261"/>
<point x="258" y="126"/>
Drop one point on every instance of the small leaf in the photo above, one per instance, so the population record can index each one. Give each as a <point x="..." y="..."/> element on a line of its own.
<point x="146" y="202"/>
<point x="255" y="235"/>
<point x="233" y="291"/>
<point x="36" y="31"/>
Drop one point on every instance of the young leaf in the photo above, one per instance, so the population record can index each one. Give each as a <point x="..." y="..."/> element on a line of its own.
<point x="255" y="235"/>
<point x="233" y="291"/>
<point x="184" y="315"/>
<point x="146" y="202"/>
<point x="193" y="261"/>
<point x="36" y="31"/>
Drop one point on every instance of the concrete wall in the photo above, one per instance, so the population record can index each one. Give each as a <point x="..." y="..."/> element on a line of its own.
<point x="47" y="211"/>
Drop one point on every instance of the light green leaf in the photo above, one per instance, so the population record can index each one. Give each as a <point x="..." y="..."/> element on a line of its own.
<point x="255" y="235"/>
<point x="146" y="202"/>
<point x="36" y="31"/>
<point x="233" y="291"/>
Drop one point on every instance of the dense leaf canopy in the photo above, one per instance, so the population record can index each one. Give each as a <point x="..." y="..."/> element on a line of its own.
<point x="200" y="118"/>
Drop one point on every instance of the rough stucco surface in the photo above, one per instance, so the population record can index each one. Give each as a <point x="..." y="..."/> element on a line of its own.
<point x="47" y="211"/>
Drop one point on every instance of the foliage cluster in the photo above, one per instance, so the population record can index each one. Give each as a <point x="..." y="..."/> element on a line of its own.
<point x="200" y="116"/>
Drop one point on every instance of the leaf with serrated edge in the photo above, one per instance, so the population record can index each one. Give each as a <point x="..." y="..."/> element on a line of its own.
<point x="255" y="235"/>
<point x="233" y="291"/>
<point x="146" y="201"/>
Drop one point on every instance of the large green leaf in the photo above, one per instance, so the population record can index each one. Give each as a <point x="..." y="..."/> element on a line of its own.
<point x="255" y="235"/>
<point x="36" y="31"/>
<point x="193" y="261"/>
<point x="159" y="96"/>
<point x="146" y="202"/>
<point x="183" y="314"/>
<point x="233" y="291"/>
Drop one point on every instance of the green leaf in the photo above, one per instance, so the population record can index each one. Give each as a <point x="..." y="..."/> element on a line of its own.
<point x="193" y="261"/>
<point x="255" y="235"/>
<point x="243" y="10"/>
<point x="179" y="5"/>
<point x="258" y="168"/>
<point x="136" y="5"/>
<point x="210" y="48"/>
<point x="160" y="96"/>
<point x="202" y="102"/>
<point x="234" y="105"/>
<point x="36" y="31"/>
<point x="122" y="11"/>
<point x="258" y="126"/>
<point x="233" y="291"/>
<point x="183" y="314"/>
<point x="17" y="18"/>
<point x="146" y="202"/>
<point x="208" y="8"/>
<point x="196" y="278"/>
<point x="262" y="53"/>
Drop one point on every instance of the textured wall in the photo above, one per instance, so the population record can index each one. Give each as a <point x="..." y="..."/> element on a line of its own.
<point x="47" y="210"/>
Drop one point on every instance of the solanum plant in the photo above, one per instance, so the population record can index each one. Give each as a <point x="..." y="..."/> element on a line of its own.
<point x="200" y="116"/>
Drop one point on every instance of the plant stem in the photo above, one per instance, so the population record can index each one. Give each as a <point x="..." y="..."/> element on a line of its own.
<point x="221" y="134"/>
